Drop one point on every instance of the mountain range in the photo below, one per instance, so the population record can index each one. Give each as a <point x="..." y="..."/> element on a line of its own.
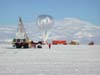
<point x="65" y="29"/>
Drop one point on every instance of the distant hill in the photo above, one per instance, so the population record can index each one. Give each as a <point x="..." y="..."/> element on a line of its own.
<point x="67" y="29"/>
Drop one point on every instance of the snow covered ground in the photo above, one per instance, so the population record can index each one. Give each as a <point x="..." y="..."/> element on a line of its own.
<point x="59" y="60"/>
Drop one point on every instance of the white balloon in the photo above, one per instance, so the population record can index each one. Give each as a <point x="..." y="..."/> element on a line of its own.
<point x="45" y="23"/>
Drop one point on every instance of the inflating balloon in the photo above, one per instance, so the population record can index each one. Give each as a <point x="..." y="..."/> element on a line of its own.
<point x="45" y="23"/>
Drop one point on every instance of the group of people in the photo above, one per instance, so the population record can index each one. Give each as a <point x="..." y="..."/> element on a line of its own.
<point x="39" y="44"/>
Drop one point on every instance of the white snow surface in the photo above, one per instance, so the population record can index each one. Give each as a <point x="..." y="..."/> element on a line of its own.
<point x="59" y="60"/>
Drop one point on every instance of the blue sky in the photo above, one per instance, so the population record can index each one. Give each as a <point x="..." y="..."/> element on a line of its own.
<point x="10" y="10"/>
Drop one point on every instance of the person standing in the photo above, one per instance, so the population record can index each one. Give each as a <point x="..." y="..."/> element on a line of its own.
<point x="49" y="45"/>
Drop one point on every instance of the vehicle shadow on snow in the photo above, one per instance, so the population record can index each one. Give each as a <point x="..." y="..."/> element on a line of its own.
<point x="12" y="50"/>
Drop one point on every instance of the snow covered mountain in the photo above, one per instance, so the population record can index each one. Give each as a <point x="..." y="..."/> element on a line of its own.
<point x="76" y="29"/>
<point x="66" y="29"/>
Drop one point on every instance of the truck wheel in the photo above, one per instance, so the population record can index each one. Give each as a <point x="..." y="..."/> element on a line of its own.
<point x="18" y="45"/>
<point x="26" y="45"/>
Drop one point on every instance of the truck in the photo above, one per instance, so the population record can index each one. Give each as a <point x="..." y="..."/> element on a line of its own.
<point x="21" y="39"/>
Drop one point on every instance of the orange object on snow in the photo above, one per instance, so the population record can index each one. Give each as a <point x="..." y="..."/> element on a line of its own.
<point x="56" y="42"/>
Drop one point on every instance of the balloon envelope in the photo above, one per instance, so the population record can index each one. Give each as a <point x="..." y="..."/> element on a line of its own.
<point x="45" y="22"/>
